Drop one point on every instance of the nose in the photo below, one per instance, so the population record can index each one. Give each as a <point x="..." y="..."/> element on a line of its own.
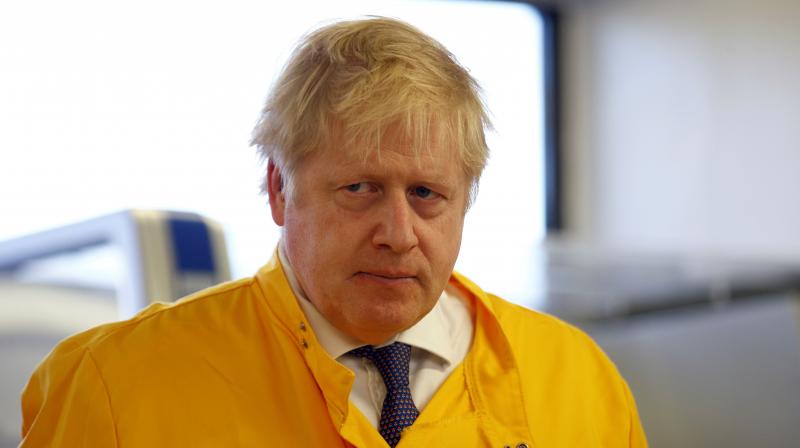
<point x="396" y="224"/>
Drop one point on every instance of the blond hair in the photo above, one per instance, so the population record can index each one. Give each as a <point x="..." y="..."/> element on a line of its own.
<point x="348" y="83"/>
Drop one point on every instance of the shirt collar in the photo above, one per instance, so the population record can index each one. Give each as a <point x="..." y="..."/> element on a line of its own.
<point x="429" y="334"/>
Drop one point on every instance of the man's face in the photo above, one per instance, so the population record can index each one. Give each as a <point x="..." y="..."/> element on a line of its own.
<point x="373" y="242"/>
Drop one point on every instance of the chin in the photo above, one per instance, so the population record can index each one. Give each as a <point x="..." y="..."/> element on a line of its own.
<point x="390" y="318"/>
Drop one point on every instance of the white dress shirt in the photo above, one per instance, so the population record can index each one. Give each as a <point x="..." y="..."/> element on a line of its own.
<point x="439" y="342"/>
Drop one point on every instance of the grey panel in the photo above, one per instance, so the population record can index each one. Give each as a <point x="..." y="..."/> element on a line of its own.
<point x="713" y="377"/>
<point x="33" y="319"/>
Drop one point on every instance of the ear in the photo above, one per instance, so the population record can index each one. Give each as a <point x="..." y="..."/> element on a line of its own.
<point x="277" y="198"/>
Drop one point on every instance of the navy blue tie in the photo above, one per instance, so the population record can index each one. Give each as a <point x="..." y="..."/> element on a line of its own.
<point x="398" y="410"/>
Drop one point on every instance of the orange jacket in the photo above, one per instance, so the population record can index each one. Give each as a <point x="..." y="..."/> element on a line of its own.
<point x="238" y="366"/>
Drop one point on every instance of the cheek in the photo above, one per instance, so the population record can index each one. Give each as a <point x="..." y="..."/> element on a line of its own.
<point x="454" y="248"/>
<point x="317" y="242"/>
<point x="443" y="242"/>
<point x="301" y="240"/>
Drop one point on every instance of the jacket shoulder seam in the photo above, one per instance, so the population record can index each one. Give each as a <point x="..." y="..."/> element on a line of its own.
<point x="185" y="301"/>
<point x="106" y="393"/>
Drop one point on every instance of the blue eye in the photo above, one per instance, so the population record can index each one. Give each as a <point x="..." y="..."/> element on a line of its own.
<point x="354" y="188"/>
<point x="423" y="192"/>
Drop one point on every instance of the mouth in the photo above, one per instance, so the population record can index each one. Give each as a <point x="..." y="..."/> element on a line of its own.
<point x="386" y="276"/>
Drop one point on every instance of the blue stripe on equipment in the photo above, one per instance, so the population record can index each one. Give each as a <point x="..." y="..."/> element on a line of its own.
<point x="191" y="245"/>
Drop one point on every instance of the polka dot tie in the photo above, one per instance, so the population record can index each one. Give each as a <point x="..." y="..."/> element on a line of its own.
<point x="398" y="410"/>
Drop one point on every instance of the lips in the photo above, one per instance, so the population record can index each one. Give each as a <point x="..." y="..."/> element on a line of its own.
<point x="387" y="278"/>
<point x="389" y="275"/>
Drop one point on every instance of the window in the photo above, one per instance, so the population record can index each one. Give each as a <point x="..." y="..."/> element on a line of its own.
<point x="106" y="106"/>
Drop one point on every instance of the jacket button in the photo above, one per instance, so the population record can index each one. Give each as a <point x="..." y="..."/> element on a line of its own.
<point x="302" y="326"/>
<point x="305" y="345"/>
<point x="522" y="445"/>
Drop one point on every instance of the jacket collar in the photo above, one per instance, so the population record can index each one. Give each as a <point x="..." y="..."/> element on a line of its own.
<point x="489" y="364"/>
<point x="491" y="367"/>
<point x="334" y="379"/>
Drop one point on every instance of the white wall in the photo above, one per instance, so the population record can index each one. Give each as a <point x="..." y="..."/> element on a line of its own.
<point x="682" y="125"/>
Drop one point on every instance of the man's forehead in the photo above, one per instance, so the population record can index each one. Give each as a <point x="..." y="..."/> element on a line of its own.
<point x="398" y="138"/>
<point x="390" y="159"/>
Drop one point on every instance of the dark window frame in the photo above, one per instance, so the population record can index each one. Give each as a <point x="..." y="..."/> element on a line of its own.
<point x="551" y="67"/>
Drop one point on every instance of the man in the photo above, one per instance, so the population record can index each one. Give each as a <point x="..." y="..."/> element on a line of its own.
<point x="357" y="333"/>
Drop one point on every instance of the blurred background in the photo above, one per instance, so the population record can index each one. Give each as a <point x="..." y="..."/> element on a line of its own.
<point x="643" y="181"/>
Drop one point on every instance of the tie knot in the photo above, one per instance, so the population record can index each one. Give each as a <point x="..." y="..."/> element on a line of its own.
<point x="391" y="360"/>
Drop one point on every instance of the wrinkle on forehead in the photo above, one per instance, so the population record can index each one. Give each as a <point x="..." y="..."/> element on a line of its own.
<point x="398" y="141"/>
<point x="395" y="159"/>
